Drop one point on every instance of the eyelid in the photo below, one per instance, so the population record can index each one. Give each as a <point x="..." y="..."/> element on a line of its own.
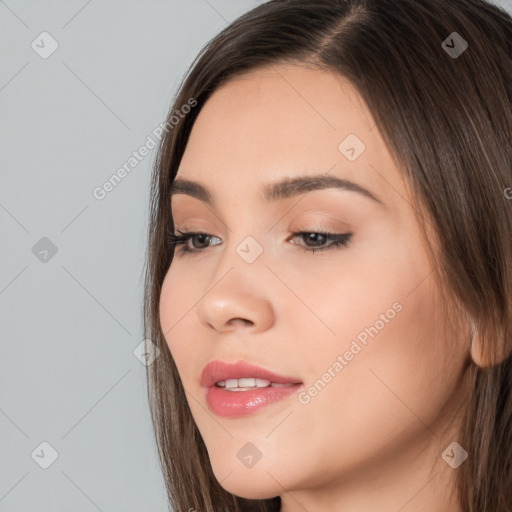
<point x="337" y="240"/>
<point x="331" y="224"/>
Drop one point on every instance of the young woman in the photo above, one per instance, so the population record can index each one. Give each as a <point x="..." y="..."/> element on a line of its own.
<point x="329" y="263"/>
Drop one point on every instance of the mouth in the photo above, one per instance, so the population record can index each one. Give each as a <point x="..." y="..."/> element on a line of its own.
<point x="240" y="388"/>
<point x="247" y="383"/>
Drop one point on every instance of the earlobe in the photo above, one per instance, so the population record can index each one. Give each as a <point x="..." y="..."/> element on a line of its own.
<point x="485" y="356"/>
<point x="477" y="352"/>
<point x="476" y="348"/>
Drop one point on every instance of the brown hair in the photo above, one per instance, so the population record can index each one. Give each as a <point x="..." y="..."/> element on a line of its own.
<point x="447" y="120"/>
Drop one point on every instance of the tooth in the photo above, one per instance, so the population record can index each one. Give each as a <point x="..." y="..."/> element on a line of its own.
<point x="246" y="383"/>
<point x="232" y="383"/>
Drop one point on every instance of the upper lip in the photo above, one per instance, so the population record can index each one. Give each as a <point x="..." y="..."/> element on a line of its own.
<point x="217" y="370"/>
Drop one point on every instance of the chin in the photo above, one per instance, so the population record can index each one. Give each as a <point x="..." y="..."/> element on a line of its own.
<point x="252" y="484"/>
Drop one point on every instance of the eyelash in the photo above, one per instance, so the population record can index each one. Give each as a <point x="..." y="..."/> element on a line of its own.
<point x="341" y="239"/>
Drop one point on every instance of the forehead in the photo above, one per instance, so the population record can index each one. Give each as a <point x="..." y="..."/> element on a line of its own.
<point x="283" y="121"/>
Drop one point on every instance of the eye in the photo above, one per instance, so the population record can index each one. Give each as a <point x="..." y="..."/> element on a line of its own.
<point x="317" y="239"/>
<point x="185" y="236"/>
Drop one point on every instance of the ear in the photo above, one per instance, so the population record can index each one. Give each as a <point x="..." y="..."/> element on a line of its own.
<point x="477" y="351"/>
<point x="480" y="354"/>
<point x="477" y="348"/>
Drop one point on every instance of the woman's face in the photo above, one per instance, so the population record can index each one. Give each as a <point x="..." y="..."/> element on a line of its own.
<point x="358" y="324"/>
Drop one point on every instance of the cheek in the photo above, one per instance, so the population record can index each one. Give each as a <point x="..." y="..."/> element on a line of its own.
<point x="390" y="354"/>
<point x="176" y="305"/>
<point x="391" y="363"/>
<point x="167" y="305"/>
<point x="388" y="390"/>
<point x="362" y="296"/>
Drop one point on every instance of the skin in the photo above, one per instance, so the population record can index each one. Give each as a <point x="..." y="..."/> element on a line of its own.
<point x="372" y="438"/>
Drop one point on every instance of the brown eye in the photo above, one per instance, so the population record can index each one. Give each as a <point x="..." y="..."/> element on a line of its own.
<point x="318" y="239"/>
<point x="185" y="236"/>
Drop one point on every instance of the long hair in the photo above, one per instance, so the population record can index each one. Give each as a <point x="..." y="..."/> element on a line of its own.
<point x="442" y="103"/>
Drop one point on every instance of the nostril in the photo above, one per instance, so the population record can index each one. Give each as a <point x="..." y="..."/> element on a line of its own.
<point x="241" y="320"/>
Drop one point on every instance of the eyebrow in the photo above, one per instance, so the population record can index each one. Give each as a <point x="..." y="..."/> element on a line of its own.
<point x="283" y="189"/>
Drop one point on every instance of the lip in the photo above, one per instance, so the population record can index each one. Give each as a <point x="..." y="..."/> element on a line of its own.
<point x="233" y="404"/>
<point x="218" y="370"/>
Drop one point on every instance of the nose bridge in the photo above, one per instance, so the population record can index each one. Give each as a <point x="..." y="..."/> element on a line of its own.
<point x="237" y="295"/>
<point x="243" y="248"/>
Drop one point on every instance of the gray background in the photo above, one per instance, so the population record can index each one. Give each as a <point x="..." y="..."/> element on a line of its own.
<point x="70" y="321"/>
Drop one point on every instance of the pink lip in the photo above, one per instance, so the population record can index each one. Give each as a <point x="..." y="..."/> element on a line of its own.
<point x="240" y="403"/>
<point x="218" y="370"/>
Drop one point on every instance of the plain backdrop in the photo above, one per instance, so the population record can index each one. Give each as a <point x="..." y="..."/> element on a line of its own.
<point x="82" y="86"/>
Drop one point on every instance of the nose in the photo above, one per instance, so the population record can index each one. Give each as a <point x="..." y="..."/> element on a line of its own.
<point x="230" y="306"/>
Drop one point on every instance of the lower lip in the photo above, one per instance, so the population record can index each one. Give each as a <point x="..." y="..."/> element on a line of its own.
<point x="232" y="404"/>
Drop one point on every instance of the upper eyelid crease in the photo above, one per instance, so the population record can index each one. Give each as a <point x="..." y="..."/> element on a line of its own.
<point x="286" y="188"/>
